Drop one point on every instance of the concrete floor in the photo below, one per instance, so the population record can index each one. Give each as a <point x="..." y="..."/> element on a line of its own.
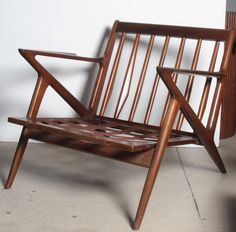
<point x="62" y="190"/>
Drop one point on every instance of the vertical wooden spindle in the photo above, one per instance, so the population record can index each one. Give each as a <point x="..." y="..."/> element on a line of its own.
<point x="113" y="75"/>
<point x="175" y="76"/>
<point x="207" y="85"/>
<point x="189" y="86"/>
<point x="156" y="82"/>
<point x="141" y="79"/>
<point x="128" y="75"/>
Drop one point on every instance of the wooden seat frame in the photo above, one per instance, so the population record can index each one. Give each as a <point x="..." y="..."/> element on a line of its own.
<point x="126" y="140"/>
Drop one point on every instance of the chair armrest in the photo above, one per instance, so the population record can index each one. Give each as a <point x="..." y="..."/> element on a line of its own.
<point x="45" y="78"/>
<point x="62" y="55"/>
<point x="193" y="72"/>
<point x="166" y="75"/>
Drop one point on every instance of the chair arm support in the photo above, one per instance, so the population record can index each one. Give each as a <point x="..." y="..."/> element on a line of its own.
<point x="166" y="75"/>
<point x="194" y="72"/>
<point x="48" y="79"/>
<point x="63" y="55"/>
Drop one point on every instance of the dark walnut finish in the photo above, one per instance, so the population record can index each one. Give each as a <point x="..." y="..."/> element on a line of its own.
<point x="228" y="114"/>
<point x="113" y="135"/>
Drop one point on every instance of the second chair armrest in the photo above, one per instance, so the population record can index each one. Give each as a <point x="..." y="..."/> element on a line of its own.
<point x="192" y="72"/>
<point x="190" y="115"/>
<point x="62" y="55"/>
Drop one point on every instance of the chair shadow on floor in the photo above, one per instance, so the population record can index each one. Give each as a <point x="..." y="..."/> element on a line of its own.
<point x="2" y="177"/>
<point x="77" y="171"/>
<point x="6" y="155"/>
<point x="230" y="212"/>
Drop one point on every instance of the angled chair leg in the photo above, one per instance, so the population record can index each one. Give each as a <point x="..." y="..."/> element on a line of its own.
<point x="156" y="161"/>
<point x="214" y="154"/>
<point x="17" y="158"/>
<point x="148" y="186"/>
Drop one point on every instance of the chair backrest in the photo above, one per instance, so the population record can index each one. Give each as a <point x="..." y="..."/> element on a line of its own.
<point x="128" y="87"/>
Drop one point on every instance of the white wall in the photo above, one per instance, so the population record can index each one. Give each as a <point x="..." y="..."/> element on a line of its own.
<point x="74" y="26"/>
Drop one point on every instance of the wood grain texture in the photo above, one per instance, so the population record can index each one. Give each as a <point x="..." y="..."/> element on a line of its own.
<point x="228" y="114"/>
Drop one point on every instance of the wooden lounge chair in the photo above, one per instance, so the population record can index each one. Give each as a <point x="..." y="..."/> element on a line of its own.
<point x="109" y="126"/>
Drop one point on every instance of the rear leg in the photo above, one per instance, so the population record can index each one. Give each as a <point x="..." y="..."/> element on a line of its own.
<point x="214" y="154"/>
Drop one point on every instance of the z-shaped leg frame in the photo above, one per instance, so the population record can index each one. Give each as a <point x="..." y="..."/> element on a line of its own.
<point x="205" y="135"/>
<point x="44" y="80"/>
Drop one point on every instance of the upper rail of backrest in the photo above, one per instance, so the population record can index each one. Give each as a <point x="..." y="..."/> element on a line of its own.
<point x="212" y="34"/>
<point x="173" y="31"/>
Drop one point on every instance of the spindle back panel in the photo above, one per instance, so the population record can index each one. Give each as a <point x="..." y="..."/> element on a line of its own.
<point x="133" y="91"/>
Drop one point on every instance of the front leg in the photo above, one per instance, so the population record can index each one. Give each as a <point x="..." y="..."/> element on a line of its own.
<point x="156" y="160"/>
<point x="18" y="157"/>
<point x="36" y="100"/>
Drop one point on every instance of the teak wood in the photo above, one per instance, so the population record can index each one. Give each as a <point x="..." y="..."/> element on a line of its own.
<point x="118" y="135"/>
<point x="228" y="110"/>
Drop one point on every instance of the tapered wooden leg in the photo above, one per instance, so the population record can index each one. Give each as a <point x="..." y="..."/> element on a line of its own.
<point x="36" y="100"/>
<point x="17" y="158"/>
<point x="214" y="154"/>
<point x="156" y="161"/>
